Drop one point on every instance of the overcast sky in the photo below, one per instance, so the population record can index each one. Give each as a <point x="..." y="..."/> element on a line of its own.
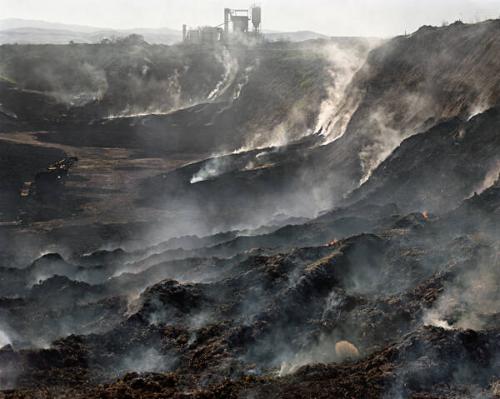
<point x="332" y="17"/>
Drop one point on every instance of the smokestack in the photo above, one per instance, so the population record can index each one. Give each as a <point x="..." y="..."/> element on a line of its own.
<point x="227" y="14"/>
<point x="184" y="32"/>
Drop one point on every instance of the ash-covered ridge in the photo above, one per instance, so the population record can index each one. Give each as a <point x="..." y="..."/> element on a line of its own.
<point x="351" y="252"/>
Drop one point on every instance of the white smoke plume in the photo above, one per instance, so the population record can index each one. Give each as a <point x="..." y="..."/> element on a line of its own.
<point x="470" y="299"/>
<point x="342" y="62"/>
<point x="337" y="109"/>
<point x="144" y="360"/>
<point x="8" y="372"/>
<point x="243" y="81"/>
<point x="490" y="178"/>
<point x="212" y="168"/>
<point x="384" y="140"/>
<point x="478" y="108"/>
<point x="4" y="339"/>
<point x="96" y="78"/>
<point x="389" y="124"/>
<point x="333" y="302"/>
<point x="231" y="67"/>
<point x="283" y="133"/>
<point x="327" y="350"/>
<point x="171" y="92"/>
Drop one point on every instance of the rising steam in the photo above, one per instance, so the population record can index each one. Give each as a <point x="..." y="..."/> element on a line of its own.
<point x="470" y="300"/>
<point x="231" y="67"/>
<point x="325" y="351"/>
<point x="212" y="168"/>
<point x="4" y="339"/>
<point x="337" y="109"/>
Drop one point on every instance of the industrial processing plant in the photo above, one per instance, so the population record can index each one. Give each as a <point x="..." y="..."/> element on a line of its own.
<point x="235" y="27"/>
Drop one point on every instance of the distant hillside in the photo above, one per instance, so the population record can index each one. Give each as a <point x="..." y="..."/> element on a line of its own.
<point x="41" y="32"/>
<point x="24" y="31"/>
<point x="58" y="36"/>
<point x="299" y="36"/>
<point x="42" y="36"/>
<point x="16" y="23"/>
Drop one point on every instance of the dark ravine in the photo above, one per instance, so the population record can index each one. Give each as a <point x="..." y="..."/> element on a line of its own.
<point x="177" y="254"/>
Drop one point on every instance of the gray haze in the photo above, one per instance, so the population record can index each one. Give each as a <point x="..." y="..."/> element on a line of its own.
<point x="332" y="17"/>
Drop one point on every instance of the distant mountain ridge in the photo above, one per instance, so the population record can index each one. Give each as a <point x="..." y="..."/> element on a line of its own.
<point x="295" y="36"/>
<point x="16" y="23"/>
<point x="24" y="31"/>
